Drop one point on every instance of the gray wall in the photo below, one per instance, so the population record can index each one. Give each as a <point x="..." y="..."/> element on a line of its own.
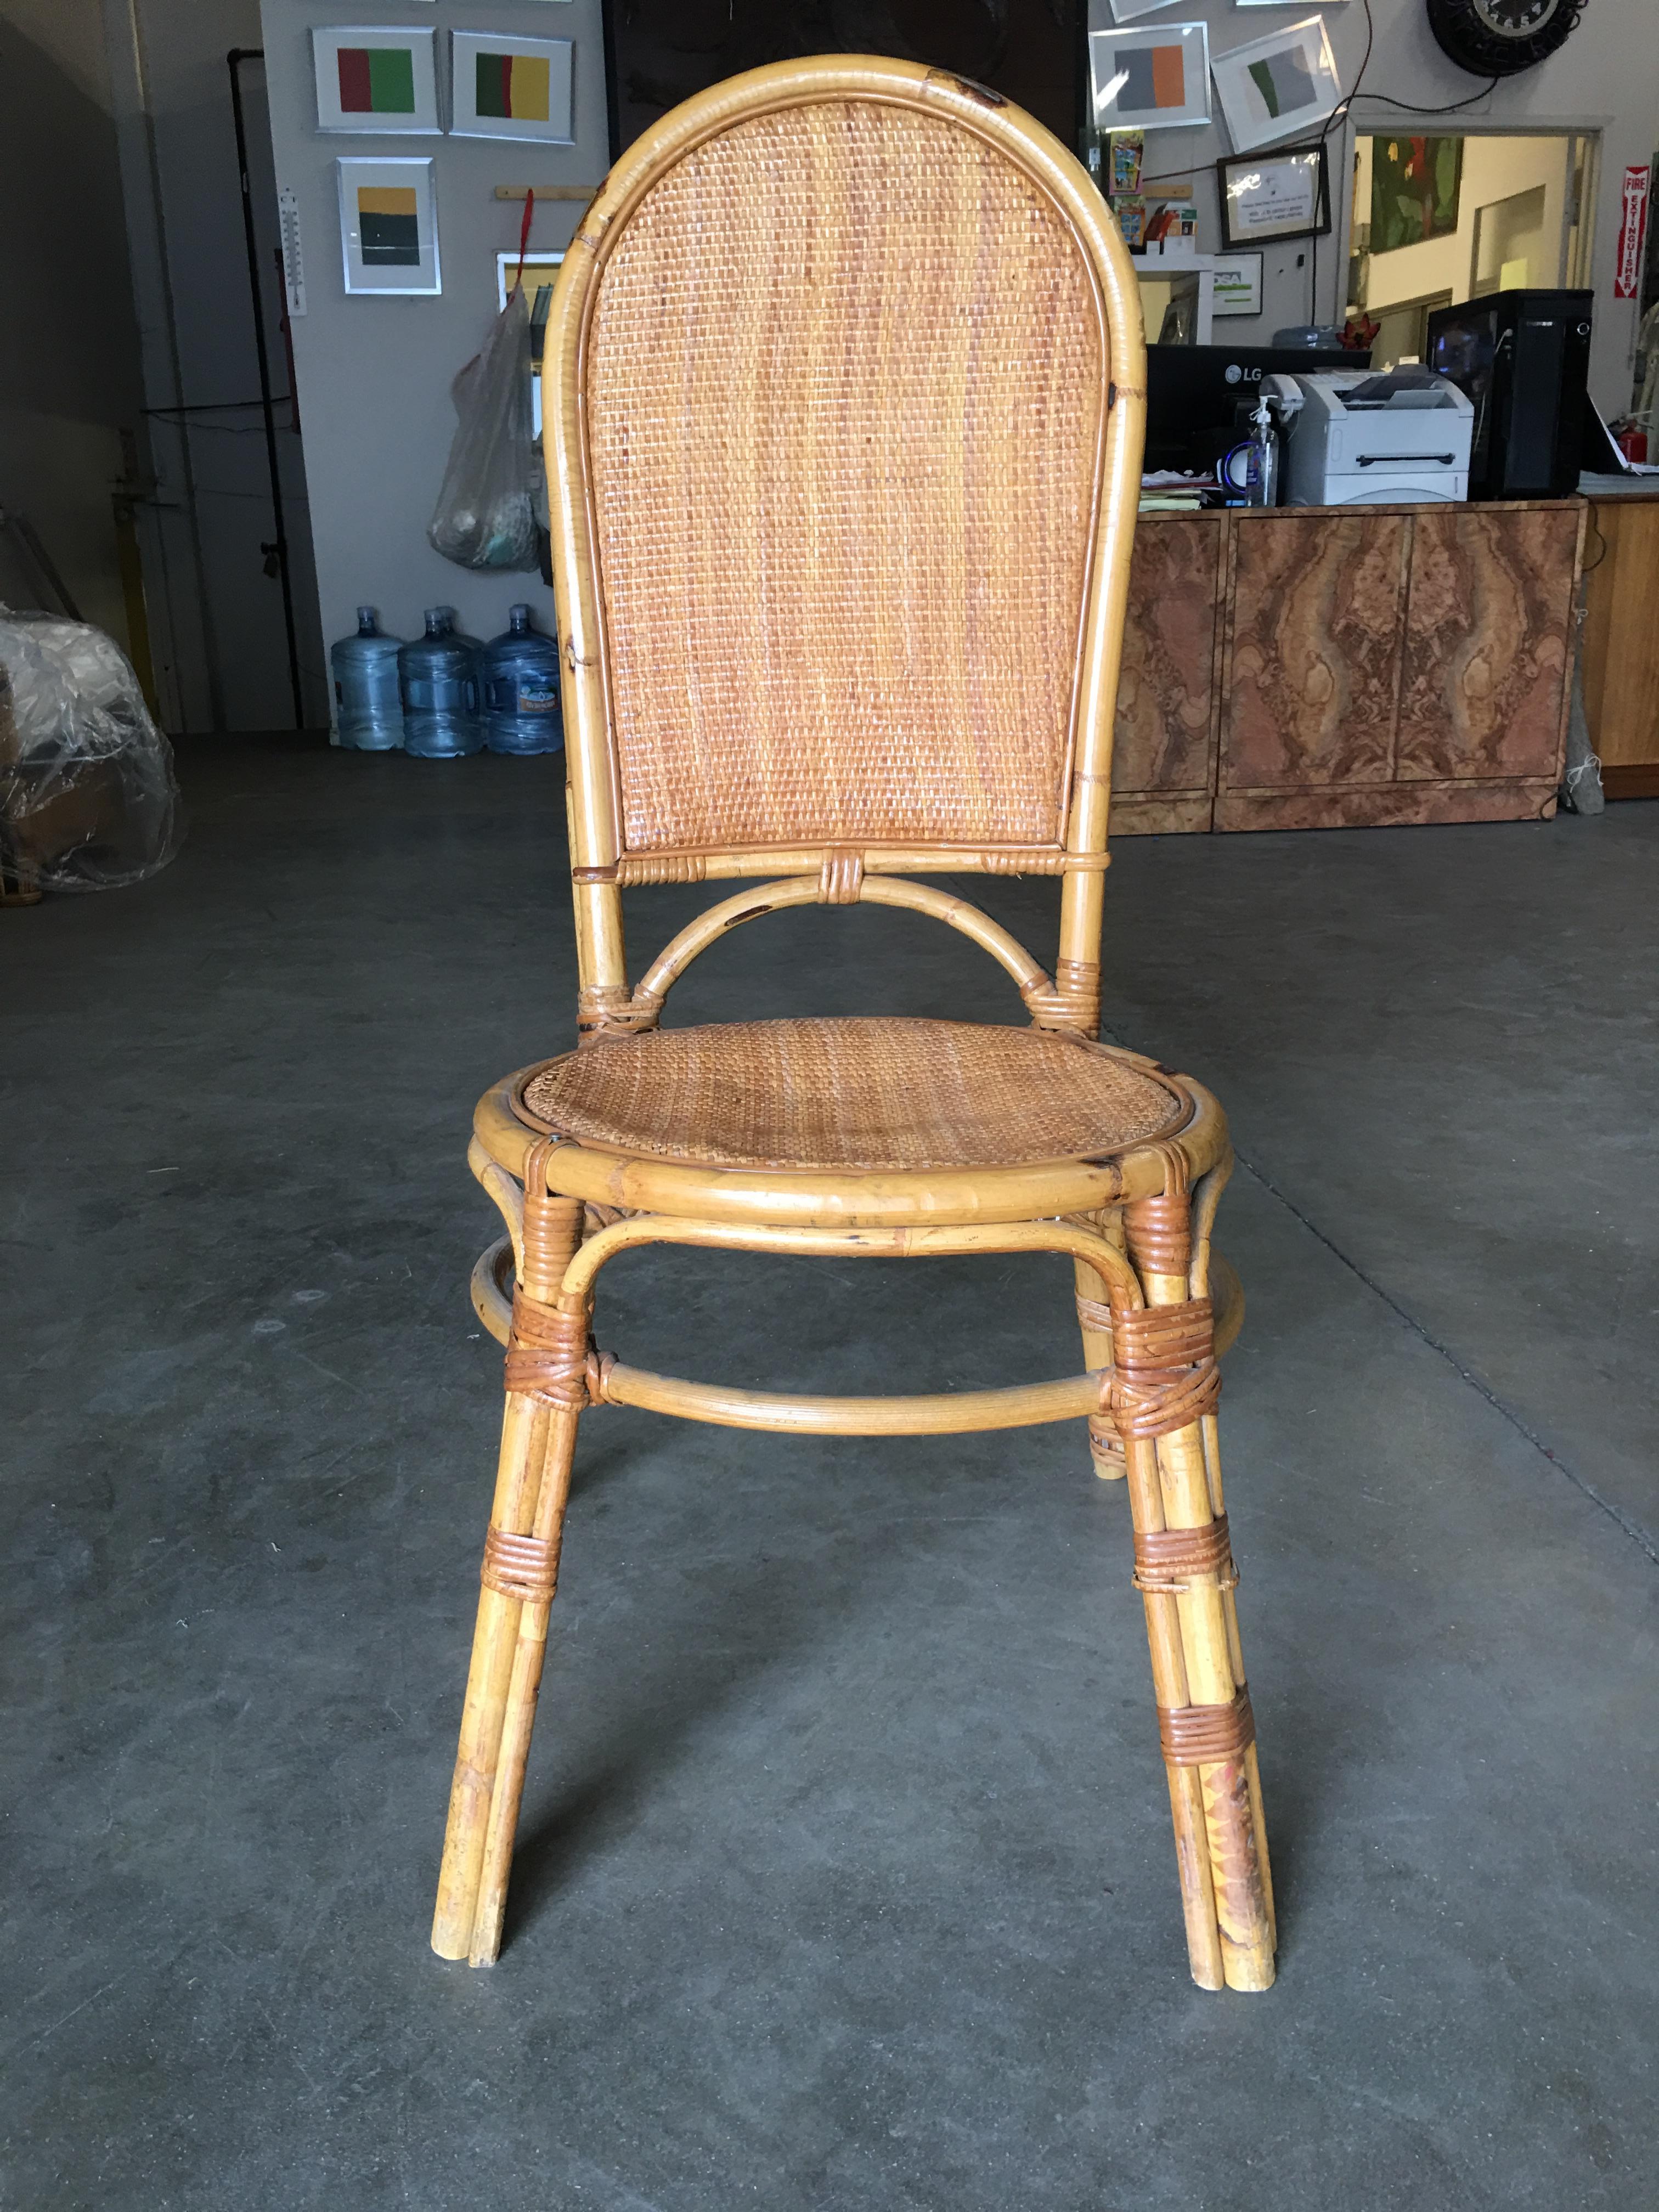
<point x="375" y="374"/>
<point x="69" y="381"/>
<point x="1606" y="77"/>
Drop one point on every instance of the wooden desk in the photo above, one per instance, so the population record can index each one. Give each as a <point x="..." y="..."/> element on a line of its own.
<point x="1312" y="668"/>
<point x="1620" y="660"/>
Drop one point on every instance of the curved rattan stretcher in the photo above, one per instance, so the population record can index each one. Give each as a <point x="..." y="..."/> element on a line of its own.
<point x="845" y="381"/>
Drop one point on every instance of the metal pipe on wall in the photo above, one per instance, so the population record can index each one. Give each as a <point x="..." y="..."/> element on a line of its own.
<point x="233" y="60"/>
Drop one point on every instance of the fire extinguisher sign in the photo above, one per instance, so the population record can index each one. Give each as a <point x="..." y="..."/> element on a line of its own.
<point x="1633" y="232"/>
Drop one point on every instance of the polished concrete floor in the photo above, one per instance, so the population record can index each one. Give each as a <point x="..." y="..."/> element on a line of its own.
<point x="847" y="1879"/>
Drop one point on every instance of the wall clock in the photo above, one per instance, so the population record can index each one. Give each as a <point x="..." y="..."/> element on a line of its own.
<point x="1498" y="37"/>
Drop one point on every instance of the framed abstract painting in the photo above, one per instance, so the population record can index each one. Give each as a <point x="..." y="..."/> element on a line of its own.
<point x="389" y="226"/>
<point x="509" y="87"/>
<point x="1151" y="79"/>
<point x="374" y="80"/>
<point x="1279" y="86"/>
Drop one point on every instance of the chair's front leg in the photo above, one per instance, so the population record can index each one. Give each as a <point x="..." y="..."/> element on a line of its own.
<point x="1163" y="1394"/>
<point x="546" y="1386"/>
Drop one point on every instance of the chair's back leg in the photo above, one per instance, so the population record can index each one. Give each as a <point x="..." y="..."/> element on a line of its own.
<point x="545" y="1393"/>
<point x="1094" y="1316"/>
<point x="1184" y="1569"/>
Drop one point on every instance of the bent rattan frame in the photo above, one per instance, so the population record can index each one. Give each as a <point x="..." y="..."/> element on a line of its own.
<point x="1155" y="1303"/>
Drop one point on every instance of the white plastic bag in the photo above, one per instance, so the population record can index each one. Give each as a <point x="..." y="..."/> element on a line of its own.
<point x="484" y="518"/>
<point x="88" y="800"/>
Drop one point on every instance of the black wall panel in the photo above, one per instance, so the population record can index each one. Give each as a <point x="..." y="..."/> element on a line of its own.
<point x="659" y="51"/>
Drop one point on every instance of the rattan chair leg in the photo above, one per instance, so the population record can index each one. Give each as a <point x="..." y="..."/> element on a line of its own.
<point x="523" y="1449"/>
<point x="1169" y="1689"/>
<point x="537" y="1438"/>
<point x="1094" y="1319"/>
<point x="524" y="1687"/>
<point x="1187" y="1582"/>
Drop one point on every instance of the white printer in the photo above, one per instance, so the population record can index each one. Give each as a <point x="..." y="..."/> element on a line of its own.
<point x="1353" y="438"/>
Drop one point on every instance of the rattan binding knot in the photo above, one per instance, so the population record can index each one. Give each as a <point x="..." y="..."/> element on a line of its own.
<point x="1168" y="1559"/>
<point x="841" y="878"/>
<point x="547" y="1232"/>
<point x="1160" y="1231"/>
<point x="1106" y="1446"/>
<point x="524" y="1567"/>
<point x="547" y="1353"/>
<point x="1070" y="1001"/>
<point x="634" y="868"/>
<point x="1165" y="1375"/>
<point x="1206" y="1735"/>
<point x="612" y="1010"/>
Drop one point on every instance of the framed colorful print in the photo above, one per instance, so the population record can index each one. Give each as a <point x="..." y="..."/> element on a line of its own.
<point x="372" y="79"/>
<point x="1268" y="198"/>
<point x="540" y="273"/>
<point x="1237" y="284"/>
<point x="1150" y="79"/>
<point x="1278" y="85"/>
<point x="389" y="226"/>
<point x="509" y="87"/>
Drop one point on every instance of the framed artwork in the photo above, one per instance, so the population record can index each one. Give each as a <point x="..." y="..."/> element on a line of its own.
<point x="372" y="79"/>
<point x="1150" y="79"/>
<point x="1237" y="284"/>
<point x="509" y="87"/>
<point x="541" y="271"/>
<point x="389" y="225"/>
<point x="1126" y="12"/>
<point x="1416" y="183"/>
<point x="1270" y="197"/>
<point x="1278" y="85"/>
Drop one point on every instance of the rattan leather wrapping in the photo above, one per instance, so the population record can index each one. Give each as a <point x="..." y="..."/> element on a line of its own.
<point x="844" y="380"/>
<point x="876" y="1093"/>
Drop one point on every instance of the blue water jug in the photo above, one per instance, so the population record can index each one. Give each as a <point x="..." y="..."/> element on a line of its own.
<point x="369" y="707"/>
<point x="518" y="683"/>
<point x="440" y="677"/>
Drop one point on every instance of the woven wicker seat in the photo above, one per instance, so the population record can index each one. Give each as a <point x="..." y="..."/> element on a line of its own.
<point x="844" y="394"/>
<point x="860" y="1093"/>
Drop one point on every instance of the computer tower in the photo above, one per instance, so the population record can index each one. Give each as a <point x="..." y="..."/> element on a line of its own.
<point x="1522" y="358"/>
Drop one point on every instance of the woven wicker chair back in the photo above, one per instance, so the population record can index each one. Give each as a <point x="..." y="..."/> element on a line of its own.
<point x="844" y="377"/>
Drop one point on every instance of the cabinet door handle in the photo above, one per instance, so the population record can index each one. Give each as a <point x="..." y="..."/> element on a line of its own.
<point x="1445" y="460"/>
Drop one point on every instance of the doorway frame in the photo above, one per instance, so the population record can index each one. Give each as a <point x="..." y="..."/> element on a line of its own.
<point x="1371" y="117"/>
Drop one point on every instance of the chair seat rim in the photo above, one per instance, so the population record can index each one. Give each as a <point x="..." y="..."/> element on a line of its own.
<point x="1030" y="1190"/>
<point x="1180" y="1106"/>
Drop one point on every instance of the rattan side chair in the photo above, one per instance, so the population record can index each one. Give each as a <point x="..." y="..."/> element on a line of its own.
<point x="845" y="402"/>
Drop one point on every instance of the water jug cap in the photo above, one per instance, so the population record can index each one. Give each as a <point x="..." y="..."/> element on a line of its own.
<point x="519" y="616"/>
<point x="365" y="620"/>
<point x="438" y="618"/>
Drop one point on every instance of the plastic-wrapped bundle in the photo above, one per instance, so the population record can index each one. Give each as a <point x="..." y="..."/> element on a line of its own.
<point x="88" y="800"/>
<point x="485" y="517"/>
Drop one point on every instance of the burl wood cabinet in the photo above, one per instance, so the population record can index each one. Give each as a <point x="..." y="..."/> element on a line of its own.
<point x="1621" y="641"/>
<point x="1305" y="668"/>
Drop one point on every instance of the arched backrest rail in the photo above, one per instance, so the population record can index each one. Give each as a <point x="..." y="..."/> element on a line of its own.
<point x="716" y="921"/>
